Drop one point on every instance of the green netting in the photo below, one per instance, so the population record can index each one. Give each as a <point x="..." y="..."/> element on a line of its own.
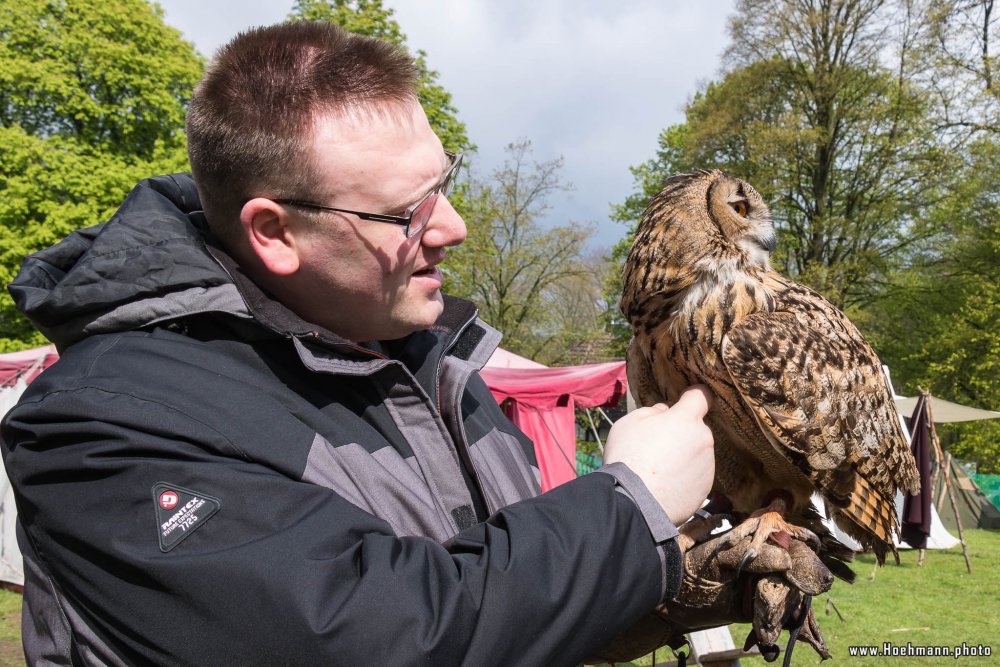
<point x="586" y="463"/>
<point x="990" y="484"/>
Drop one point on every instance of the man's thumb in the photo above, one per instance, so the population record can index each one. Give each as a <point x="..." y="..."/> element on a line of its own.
<point x="695" y="400"/>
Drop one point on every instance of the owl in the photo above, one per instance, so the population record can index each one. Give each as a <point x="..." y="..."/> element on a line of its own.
<point x="801" y="402"/>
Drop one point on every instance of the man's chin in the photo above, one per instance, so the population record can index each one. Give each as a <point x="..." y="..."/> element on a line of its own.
<point x="423" y="319"/>
<point x="434" y="309"/>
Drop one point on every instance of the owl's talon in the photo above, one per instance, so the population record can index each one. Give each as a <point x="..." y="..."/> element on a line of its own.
<point x="747" y="557"/>
<point x="810" y="538"/>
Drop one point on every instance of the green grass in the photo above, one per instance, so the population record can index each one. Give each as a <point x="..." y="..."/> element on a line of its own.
<point x="10" y="628"/>
<point x="936" y="604"/>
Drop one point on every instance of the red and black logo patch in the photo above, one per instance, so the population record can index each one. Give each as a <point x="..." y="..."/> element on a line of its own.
<point x="179" y="512"/>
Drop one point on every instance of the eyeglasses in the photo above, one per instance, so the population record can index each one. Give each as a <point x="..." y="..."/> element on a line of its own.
<point x="414" y="218"/>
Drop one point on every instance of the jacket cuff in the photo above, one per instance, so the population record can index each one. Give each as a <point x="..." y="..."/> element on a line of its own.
<point x="662" y="529"/>
<point x="659" y="523"/>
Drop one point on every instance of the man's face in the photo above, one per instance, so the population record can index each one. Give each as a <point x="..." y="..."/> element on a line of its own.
<point x="364" y="279"/>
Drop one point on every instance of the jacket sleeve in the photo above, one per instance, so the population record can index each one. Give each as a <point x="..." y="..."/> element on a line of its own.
<point x="287" y="572"/>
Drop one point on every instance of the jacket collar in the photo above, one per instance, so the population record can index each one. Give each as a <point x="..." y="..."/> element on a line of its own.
<point x="457" y="331"/>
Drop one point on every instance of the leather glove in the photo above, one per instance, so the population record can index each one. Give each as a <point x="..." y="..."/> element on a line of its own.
<point x="720" y="587"/>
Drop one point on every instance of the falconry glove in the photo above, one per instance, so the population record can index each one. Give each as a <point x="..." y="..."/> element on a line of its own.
<point x="721" y="586"/>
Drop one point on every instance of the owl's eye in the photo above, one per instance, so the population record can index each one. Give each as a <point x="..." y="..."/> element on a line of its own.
<point x="740" y="207"/>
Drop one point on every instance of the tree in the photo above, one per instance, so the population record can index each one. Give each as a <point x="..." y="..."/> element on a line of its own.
<point x="92" y="98"/>
<point x="871" y="128"/>
<point x="910" y="184"/>
<point x="841" y="145"/>
<point x="371" y="18"/>
<point x="938" y="326"/>
<point x="963" y="65"/>
<point x="110" y="74"/>
<point x="519" y="274"/>
<point x="574" y="309"/>
<point x="833" y="130"/>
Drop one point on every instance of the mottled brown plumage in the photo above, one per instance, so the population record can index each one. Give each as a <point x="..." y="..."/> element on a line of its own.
<point x="801" y="402"/>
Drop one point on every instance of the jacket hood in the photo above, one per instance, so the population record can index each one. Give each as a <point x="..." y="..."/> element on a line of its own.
<point x="148" y="264"/>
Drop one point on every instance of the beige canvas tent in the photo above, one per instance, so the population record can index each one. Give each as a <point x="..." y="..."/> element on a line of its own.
<point x="974" y="508"/>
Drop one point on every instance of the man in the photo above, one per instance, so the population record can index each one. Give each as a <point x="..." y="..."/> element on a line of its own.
<point x="266" y="441"/>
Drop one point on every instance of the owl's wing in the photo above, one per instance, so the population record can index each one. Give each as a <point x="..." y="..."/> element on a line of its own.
<point x="818" y="392"/>
<point x="641" y="383"/>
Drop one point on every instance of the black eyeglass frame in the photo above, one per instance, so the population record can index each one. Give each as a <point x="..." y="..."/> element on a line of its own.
<point x="403" y="220"/>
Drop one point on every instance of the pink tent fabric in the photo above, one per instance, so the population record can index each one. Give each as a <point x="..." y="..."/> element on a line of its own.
<point x="503" y="359"/>
<point x="542" y="404"/>
<point x="26" y="363"/>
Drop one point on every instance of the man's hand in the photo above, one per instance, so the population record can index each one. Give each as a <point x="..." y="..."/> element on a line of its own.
<point x="670" y="449"/>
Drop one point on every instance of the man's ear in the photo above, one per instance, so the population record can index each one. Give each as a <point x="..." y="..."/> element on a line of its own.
<point x="267" y="229"/>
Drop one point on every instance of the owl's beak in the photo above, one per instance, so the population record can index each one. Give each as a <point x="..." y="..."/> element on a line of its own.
<point x="768" y="242"/>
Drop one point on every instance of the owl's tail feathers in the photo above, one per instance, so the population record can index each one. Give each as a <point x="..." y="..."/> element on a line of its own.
<point x="871" y="520"/>
<point x="834" y="553"/>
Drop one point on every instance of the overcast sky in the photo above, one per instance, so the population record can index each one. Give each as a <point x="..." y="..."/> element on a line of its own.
<point x="593" y="81"/>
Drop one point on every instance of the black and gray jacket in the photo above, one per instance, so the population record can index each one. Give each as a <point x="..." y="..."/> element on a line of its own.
<point x="203" y="478"/>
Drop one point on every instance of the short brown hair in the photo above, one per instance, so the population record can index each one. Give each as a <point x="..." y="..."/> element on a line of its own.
<point x="252" y="113"/>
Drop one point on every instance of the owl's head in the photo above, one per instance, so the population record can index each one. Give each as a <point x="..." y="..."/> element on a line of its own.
<point x="709" y="215"/>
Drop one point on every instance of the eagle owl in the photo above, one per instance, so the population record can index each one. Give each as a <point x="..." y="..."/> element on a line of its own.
<point x="801" y="403"/>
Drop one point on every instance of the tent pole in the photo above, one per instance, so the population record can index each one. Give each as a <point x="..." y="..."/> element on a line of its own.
<point x="593" y="427"/>
<point x="605" y="415"/>
<point x="947" y="476"/>
<point x="958" y="520"/>
<point x="936" y="450"/>
<point x="947" y="483"/>
<point x="944" y="487"/>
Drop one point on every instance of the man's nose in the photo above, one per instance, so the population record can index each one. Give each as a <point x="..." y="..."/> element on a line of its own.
<point x="445" y="227"/>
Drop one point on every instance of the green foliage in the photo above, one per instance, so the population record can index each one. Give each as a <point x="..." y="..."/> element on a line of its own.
<point x="884" y="181"/>
<point x="364" y="17"/>
<point x="964" y="34"/>
<point x="841" y="147"/>
<point x="93" y="99"/>
<point x="843" y="197"/>
<point x="843" y="204"/>
<point x="110" y="74"/>
<point x="371" y="18"/>
<point x="937" y="324"/>
<point x="52" y="186"/>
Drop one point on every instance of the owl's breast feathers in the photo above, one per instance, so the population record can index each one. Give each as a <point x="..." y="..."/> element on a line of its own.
<point x="688" y="349"/>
